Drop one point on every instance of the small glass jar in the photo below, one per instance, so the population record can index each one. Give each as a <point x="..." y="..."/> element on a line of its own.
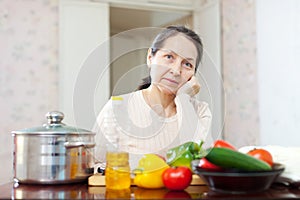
<point x="117" y="172"/>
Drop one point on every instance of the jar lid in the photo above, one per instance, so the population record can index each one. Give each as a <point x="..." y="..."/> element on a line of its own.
<point x="54" y="126"/>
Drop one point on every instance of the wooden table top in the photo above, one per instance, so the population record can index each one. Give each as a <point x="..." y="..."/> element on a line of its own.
<point x="84" y="191"/>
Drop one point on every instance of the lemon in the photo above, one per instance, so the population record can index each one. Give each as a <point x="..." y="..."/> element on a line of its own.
<point x="151" y="162"/>
<point x="149" y="172"/>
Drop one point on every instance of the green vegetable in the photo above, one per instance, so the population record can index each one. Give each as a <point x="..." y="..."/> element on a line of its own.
<point x="229" y="158"/>
<point x="182" y="155"/>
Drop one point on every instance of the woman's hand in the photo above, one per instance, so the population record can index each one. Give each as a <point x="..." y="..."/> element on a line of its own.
<point x="192" y="87"/>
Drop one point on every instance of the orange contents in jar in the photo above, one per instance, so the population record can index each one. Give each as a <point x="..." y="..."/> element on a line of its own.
<point x="117" y="172"/>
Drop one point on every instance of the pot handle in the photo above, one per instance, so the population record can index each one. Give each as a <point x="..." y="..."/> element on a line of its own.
<point x="69" y="145"/>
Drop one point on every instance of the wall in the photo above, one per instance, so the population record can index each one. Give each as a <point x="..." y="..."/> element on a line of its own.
<point x="28" y="69"/>
<point x="240" y="72"/>
<point x="261" y="49"/>
<point x="278" y="46"/>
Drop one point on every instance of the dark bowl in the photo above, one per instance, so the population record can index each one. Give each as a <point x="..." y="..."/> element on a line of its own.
<point x="238" y="182"/>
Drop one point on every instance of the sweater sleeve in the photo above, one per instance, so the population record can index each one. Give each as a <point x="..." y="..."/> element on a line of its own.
<point x="201" y="123"/>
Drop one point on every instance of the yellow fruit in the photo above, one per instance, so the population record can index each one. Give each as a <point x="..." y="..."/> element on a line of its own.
<point x="151" y="162"/>
<point x="149" y="172"/>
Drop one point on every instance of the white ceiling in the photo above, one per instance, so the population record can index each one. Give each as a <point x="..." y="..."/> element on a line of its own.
<point x="122" y="19"/>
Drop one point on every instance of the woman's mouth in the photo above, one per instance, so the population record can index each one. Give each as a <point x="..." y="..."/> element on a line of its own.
<point x="171" y="81"/>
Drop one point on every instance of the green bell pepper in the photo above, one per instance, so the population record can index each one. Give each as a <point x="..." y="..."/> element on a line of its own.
<point x="182" y="155"/>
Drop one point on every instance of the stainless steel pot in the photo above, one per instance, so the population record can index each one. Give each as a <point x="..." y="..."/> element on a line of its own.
<point x="53" y="153"/>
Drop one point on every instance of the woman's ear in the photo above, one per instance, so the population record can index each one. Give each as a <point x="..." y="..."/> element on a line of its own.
<point x="149" y="57"/>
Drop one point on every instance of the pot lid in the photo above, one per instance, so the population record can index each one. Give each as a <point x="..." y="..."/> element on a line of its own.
<point x="53" y="126"/>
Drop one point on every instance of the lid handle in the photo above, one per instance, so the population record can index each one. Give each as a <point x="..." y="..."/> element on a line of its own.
<point x="54" y="117"/>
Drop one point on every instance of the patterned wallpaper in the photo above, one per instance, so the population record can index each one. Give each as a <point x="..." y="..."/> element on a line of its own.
<point x="28" y="68"/>
<point x="240" y="72"/>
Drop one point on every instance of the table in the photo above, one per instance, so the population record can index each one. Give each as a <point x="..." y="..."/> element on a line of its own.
<point x="84" y="191"/>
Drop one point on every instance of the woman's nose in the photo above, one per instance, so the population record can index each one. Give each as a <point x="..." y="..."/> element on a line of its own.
<point x="176" y="68"/>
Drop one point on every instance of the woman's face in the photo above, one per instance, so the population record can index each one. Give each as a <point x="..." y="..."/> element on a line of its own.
<point x="174" y="64"/>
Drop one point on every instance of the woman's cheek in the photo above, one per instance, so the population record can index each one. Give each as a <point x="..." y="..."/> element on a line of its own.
<point x="187" y="76"/>
<point x="154" y="75"/>
<point x="157" y="72"/>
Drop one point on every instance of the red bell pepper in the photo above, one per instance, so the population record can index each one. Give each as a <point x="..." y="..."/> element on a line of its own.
<point x="205" y="164"/>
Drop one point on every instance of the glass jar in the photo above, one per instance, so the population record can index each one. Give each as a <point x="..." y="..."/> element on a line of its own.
<point x="117" y="172"/>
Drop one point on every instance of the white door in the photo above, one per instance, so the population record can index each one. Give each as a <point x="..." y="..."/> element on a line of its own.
<point x="83" y="60"/>
<point x="206" y="19"/>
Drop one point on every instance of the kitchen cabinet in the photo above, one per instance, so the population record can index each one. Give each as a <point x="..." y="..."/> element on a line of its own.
<point x="83" y="60"/>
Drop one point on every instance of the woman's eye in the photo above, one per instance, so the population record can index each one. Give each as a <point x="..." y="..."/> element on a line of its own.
<point x="189" y="65"/>
<point x="169" y="56"/>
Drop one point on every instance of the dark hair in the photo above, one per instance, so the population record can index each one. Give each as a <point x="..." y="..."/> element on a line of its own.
<point x="168" y="32"/>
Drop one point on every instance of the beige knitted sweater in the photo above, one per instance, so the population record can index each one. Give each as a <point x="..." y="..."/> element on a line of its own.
<point x="127" y="123"/>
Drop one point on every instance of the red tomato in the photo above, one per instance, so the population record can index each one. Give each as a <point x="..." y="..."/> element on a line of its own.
<point x="177" y="178"/>
<point x="205" y="164"/>
<point x="222" y="143"/>
<point x="263" y="155"/>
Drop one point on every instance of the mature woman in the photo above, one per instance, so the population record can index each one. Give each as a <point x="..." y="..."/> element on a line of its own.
<point x="163" y="113"/>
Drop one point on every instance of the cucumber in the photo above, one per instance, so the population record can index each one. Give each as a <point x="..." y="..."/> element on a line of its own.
<point x="228" y="158"/>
